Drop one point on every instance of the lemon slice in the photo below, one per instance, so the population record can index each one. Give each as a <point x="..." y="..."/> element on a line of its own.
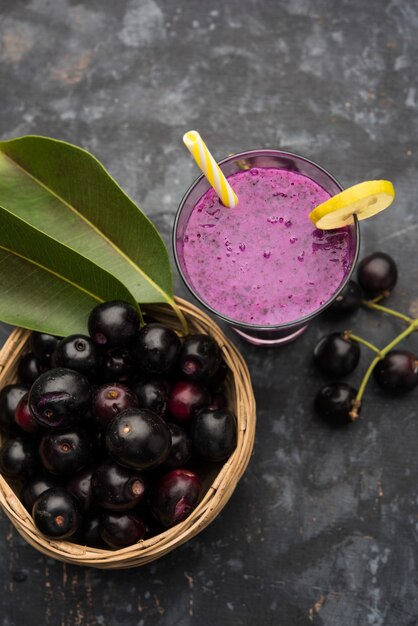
<point x="364" y="200"/>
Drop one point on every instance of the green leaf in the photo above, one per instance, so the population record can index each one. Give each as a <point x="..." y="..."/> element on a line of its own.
<point x="65" y="192"/>
<point x="45" y="285"/>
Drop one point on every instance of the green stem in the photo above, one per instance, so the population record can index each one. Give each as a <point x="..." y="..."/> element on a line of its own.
<point x="413" y="326"/>
<point x="371" y="304"/>
<point x="349" y="335"/>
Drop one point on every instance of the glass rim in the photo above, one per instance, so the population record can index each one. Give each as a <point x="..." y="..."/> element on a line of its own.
<point x="300" y="321"/>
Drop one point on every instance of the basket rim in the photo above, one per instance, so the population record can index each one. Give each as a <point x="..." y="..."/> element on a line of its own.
<point x="214" y="499"/>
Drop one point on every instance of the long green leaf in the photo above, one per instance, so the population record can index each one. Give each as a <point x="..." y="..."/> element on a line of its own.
<point x="65" y="192"/>
<point x="69" y="279"/>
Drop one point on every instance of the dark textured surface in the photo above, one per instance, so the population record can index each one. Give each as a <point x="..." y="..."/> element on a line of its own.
<point x="324" y="526"/>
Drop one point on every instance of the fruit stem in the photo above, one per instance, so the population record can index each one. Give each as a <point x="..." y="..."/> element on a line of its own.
<point x="349" y="335"/>
<point x="413" y="326"/>
<point x="372" y="304"/>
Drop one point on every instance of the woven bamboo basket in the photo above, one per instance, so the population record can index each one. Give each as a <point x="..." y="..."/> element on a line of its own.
<point x="218" y="482"/>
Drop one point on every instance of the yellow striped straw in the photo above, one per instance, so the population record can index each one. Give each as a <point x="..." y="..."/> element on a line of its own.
<point x="210" y="168"/>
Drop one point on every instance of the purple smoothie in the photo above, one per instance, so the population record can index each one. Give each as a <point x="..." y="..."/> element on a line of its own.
<point x="263" y="262"/>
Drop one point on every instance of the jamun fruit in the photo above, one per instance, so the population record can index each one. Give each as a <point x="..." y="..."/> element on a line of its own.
<point x="157" y="348"/>
<point x="200" y="357"/>
<point x="56" y="513"/>
<point x="397" y="372"/>
<point x="138" y="438"/>
<point x="214" y="434"/>
<point x="65" y="452"/>
<point x="334" y="403"/>
<point x="59" y="397"/>
<point x="117" y="488"/>
<point x="336" y="355"/>
<point x="114" y="323"/>
<point x="174" y="496"/>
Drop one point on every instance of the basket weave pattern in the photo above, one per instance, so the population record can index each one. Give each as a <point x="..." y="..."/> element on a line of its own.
<point x="241" y="400"/>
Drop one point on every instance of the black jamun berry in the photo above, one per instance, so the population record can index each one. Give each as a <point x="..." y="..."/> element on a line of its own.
<point x="56" y="513"/>
<point x="334" y="403"/>
<point x="117" y="488"/>
<point x="347" y="301"/>
<point x="89" y="533"/>
<point x="214" y="434"/>
<point x="153" y="394"/>
<point x="65" y="452"/>
<point x="28" y="369"/>
<point x="336" y="355"/>
<point x="43" y="345"/>
<point x="138" y="438"/>
<point x="10" y="397"/>
<point x="19" y="457"/>
<point x="157" y="349"/>
<point x="80" y="487"/>
<point x="79" y="353"/>
<point x="109" y="400"/>
<point x="397" y="372"/>
<point x="24" y="418"/>
<point x="119" y="530"/>
<point x="377" y="273"/>
<point x="200" y="357"/>
<point x="59" y="397"/>
<point x="181" y="447"/>
<point x="36" y="485"/>
<point x="114" y="323"/>
<point x="186" y="398"/>
<point x="117" y="365"/>
<point x="174" y="496"/>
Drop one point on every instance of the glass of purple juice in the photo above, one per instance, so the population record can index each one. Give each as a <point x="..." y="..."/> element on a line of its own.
<point x="262" y="266"/>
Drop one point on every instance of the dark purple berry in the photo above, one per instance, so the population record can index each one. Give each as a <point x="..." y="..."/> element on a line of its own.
<point x="397" y="372"/>
<point x="334" y="403"/>
<point x="89" y="533"/>
<point x="117" y="365"/>
<point x="80" y="487"/>
<point x="65" y="452"/>
<point x="10" y="397"/>
<point x="43" y="345"/>
<point x="59" y="397"/>
<point x="186" y="398"/>
<point x="56" y="513"/>
<point x="24" y="418"/>
<point x="138" y="438"/>
<point x="214" y="434"/>
<point x="377" y="273"/>
<point x="152" y="394"/>
<point x="79" y="353"/>
<point x="28" y="369"/>
<point x="336" y="356"/>
<point x="114" y="323"/>
<point x="34" y="486"/>
<point x="109" y="400"/>
<point x="200" y="357"/>
<point x="218" y="401"/>
<point x="117" y="488"/>
<point x="347" y="301"/>
<point x="181" y="447"/>
<point x="119" y="530"/>
<point x="174" y="496"/>
<point x="19" y="457"/>
<point x="157" y="348"/>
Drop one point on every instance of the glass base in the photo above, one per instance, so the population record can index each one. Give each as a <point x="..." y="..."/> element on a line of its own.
<point x="257" y="340"/>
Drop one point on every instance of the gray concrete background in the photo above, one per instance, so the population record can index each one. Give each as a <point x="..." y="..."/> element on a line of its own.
<point x="323" y="528"/>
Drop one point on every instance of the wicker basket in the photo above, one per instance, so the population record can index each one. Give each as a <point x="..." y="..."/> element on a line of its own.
<point x="219" y="483"/>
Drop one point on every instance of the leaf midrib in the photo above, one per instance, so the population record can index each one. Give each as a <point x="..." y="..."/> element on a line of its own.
<point x="47" y="269"/>
<point x="72" y="208"/>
